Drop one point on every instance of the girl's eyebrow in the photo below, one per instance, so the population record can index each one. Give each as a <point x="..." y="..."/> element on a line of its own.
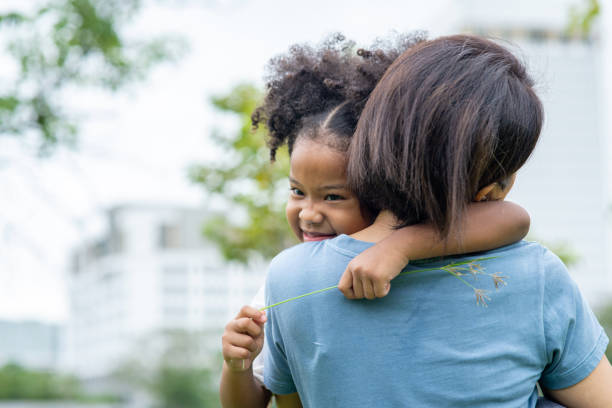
<point x="328" y="187"/>
<point x="334" y="187"/>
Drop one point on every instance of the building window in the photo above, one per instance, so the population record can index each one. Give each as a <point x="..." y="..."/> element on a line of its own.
<point x="175" y="312"/>
<point x="170" y="236"/>
<point x="175" y="290"/>
<point x="175" y="271"/>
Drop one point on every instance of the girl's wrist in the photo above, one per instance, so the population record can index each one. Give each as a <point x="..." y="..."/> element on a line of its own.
<point x="399" y="245"/>
<point x="418" y="241"/>
<point x="236" y="367"/>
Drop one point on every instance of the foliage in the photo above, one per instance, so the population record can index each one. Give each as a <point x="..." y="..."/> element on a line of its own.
<point x="18" y="383"/>
<point x="604" y="316"/>
<point x="247" y="180"/>
<point x="68" y="43"/>
<point x="184" y="387"/>
<point x="175" y="368"/>
<point x="581" y="19"/>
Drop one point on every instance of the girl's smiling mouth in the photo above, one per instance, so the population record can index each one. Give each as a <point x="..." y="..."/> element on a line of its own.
<point x="316" y="236"/>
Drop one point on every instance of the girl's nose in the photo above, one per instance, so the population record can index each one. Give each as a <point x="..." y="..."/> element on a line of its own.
<point x="310" y="215"/>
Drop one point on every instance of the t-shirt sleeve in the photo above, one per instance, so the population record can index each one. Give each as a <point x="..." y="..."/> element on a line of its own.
<point x="277" y="374"/>
<point x="575" y="341"/>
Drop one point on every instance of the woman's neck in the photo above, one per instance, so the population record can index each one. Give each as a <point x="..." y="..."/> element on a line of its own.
<point x="379" y="230"/>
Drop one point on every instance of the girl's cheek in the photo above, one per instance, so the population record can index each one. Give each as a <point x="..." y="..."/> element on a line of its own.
<point x="292" y="215"/>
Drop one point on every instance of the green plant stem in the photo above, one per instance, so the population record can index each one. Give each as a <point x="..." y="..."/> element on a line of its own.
<point x="456" y="275"/>
<point x="298" y="297"/>
<point x="441" y="268"/>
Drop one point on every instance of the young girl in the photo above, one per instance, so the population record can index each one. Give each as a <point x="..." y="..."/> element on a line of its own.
<point x="451" y="121"/>
<point x="313" y="103"/>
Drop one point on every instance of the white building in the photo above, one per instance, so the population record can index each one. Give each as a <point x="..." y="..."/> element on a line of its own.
<point x="31" y="344"/>
<point x="565" y="186"/>
<point x="152" y="271"/>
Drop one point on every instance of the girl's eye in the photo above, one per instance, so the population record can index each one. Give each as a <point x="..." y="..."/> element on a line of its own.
<point x="296" y="191"/>
<point x="333" y="197"/>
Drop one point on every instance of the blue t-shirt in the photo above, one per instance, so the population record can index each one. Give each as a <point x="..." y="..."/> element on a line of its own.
<point x="427" y="343"/>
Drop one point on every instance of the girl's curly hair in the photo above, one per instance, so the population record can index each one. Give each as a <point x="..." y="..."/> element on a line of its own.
<point x="320" y="90"/>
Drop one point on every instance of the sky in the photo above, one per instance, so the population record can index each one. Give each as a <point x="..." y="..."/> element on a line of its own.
<point x="136" y="145"/>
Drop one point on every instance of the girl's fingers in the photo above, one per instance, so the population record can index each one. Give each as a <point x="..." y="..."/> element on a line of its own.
<point x="240" y="340"/>
<point x="346" y="284"/>
<point x="231" y="352"/>
<point x="247" y="326"/>
<point x="243" y="341"/>
<point x="381" y="288"/>
<point x="357" y="288"/>
<point x="250" y="312"/>
<point x="262" y="318"/>
<point x="368" y="289"/>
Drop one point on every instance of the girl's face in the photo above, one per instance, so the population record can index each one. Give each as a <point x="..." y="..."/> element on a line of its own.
<point x="320" y="206"/>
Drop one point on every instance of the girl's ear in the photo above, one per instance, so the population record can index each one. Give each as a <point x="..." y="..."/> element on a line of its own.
<point x="483" y="194"/>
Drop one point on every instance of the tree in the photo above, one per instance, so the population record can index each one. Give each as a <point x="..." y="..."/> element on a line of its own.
<point x="66" y="44"/>
<point x="581" y="18"/>
<point x="184" y="387"/>
<point x="175" y="368"/>
<point x="248" y="182"/>
<point x="18" y="383"/>
<point x="604" y="316"/>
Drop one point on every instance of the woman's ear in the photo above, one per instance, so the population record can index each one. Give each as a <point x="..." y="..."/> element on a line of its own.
<point x="483" y="193"/>
<point x="496" y="191"/>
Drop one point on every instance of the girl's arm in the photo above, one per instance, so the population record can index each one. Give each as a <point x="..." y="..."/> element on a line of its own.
<point x="242" y="342"/>
<point x="488" y="225"/>
<point x="242" y="390"/>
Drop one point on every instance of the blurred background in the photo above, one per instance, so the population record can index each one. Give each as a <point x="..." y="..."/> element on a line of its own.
<point x="138" y="210"/>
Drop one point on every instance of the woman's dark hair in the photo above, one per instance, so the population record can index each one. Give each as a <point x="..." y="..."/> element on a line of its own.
<point x="449" y="117"/>
<point x="319" y="92"/>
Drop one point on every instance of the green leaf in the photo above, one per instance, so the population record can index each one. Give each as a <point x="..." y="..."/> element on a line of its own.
<point x="9" y="103"/>
<point x="582" y="18"/>
<point x="265" y="232"/>
<point x="12" y="18"/>
<point x="71" y="43"/>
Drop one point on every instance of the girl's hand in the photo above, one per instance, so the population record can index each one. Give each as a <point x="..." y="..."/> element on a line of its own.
<point x="370" y="273"/>
<point x="243" y="338"/>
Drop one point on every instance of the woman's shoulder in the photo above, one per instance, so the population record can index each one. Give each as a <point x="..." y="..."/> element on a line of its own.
<point x="342" y="245"/>
<point x="302" y="258"/>
<point x="292" y="253"/>
<point x="535" y="265"/>
<point x="537" y="255"/>
<point x="293" y="259"/>
<point x="528" y="252"/>
<point x="529" y="265"/>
